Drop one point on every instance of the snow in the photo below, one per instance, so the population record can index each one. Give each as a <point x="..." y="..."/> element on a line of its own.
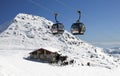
<point x="14" y="64"/>
<point x="51" y="49"/>
<point x="26" y="33"/>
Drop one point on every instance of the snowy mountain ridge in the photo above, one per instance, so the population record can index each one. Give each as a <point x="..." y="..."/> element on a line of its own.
<point x="28" y="32"/>
<point x="115" y="51"/>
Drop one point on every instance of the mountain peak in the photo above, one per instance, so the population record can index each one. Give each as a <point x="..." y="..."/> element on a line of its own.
<point x="24" y="16"/>
<point x="26" y="23"/>
<point x="30" y="18"/>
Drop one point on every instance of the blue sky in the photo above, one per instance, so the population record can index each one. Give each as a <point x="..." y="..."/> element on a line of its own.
<point x="101" y="17"/>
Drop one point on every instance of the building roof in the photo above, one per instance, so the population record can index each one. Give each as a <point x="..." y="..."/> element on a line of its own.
<point x="49" y="49"/>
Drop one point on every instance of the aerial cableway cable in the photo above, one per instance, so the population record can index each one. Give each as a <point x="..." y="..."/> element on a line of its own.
<point x="57" y="28"/>
<point x="41" y="6"/>
<point x="63" y="4"/>
<point x="46" y="8"/>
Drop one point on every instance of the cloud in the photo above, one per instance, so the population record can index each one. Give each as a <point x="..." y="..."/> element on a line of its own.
<point x="107" y="44"/>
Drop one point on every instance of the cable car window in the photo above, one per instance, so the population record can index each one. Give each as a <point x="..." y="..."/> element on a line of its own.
<point x="60" y="26"/>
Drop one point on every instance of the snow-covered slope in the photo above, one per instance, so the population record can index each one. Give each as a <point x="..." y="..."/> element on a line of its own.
<point x="27" y="32"/>
<point x="13" y="64"/>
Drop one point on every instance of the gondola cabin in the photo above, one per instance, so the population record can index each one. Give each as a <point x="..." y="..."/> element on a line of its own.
<point x="58" y="28"/>
<point x="78" y="29"/>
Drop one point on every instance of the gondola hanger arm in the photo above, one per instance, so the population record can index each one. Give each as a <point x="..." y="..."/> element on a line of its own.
<point x="79" y="12"/>
<point x="56" y="14"/>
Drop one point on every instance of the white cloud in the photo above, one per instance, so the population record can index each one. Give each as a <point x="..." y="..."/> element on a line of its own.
<point x="107" y="44"/>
